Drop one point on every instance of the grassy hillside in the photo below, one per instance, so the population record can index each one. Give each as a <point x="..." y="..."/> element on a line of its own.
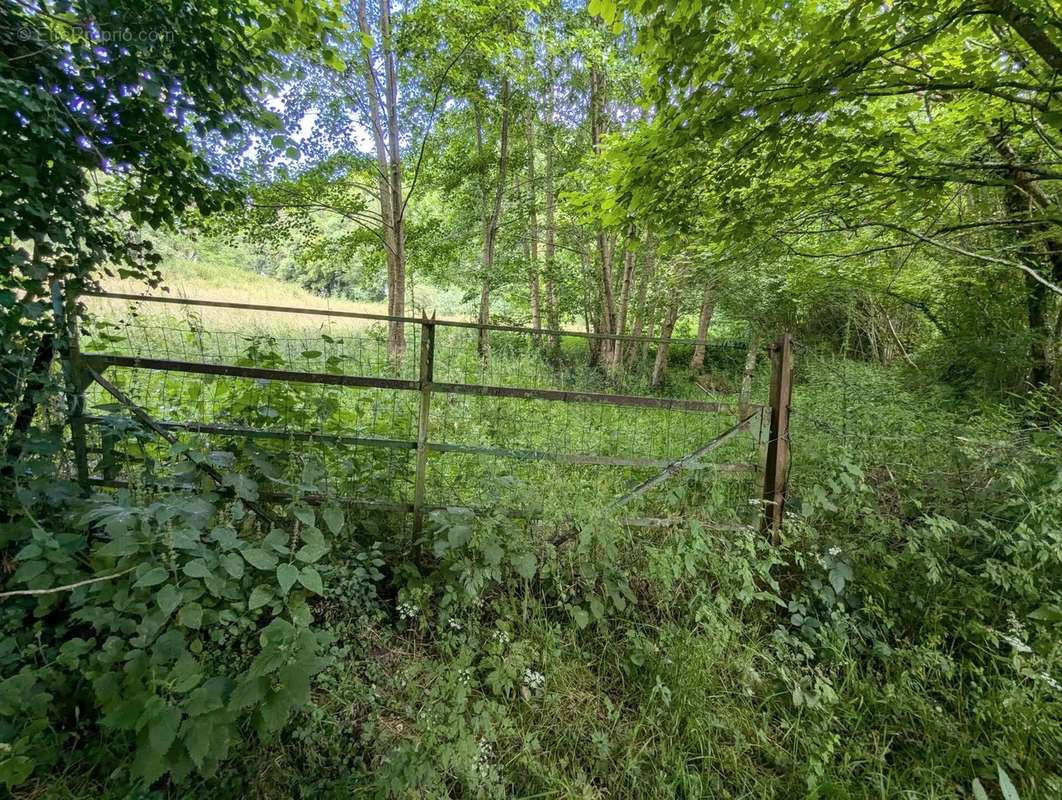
<point x="215" y="280"/>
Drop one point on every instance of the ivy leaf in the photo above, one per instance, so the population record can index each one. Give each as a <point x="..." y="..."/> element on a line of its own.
<point x="168" y="599"/>
<point x="311" y="579"/>
<point x="260" y="559"/>
<point x="287" y="574"/>
<point x="153" y="577"/>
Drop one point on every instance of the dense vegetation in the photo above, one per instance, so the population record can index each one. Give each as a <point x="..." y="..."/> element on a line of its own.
<point x="882" y="180"/>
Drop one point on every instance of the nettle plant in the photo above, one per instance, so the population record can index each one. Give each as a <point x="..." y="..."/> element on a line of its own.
<point x="192" y="621"/>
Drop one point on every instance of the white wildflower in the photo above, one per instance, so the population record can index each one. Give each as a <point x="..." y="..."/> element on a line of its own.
<point x="1051" y="682"/>
<point x="834" y="551"/>
<point x="533" y="679"/>
<point x="455" y="624"/>
<point x="502" y="637"/>
<point x="1015" y="625"/>
<point x="1016" y="643"/>
<point x="483" y="757"/>
<point x="408" y="610"/>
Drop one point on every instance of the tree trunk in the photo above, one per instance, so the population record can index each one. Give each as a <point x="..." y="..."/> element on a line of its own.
<point x="397" y="332"/>
<point x="705" y="320"/>
<point x="641" y="311"/>
<point x="745" y="392"/>
<point x="491" y="221"/>
<point x="389" y="172"/>
<point x="533" y="276"/>
<point x="624" y="302"/>
<point x="1028" y="29"/>
<point x="552" y="309"/>
<point x="1020" y="198"/>
<point x="607" y="316"/>
<point x="666" y="329"/>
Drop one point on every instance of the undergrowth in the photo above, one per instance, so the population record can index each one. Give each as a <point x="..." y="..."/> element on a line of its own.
<point x="899" y="640"/>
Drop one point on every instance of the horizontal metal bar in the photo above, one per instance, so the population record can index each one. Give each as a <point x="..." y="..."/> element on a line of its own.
<point x="566" y="396"/>
<point x="588" y="459"/>
<point x="667" y="522"/>
<point x="575" y="458"/>
<point x="452" y="323"/>
<point x="561" y="395"/>
<point x="260" y="433"/>
<point x="258" y="373"/>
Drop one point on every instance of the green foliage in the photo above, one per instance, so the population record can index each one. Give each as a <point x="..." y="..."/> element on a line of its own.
<point x="164" y="642"/>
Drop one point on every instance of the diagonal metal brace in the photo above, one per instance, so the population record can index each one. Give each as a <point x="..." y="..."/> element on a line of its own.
<point x="683" y="463"/>
<point x="146" y="419"/>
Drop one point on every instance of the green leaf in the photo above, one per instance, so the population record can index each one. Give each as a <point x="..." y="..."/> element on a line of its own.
<point x="581" y="617"/>
<point x="244" y="487"/>
<point x="191" y="615"/>
<point x="28" y="552"/>
<point x="304" y="514"/>
<point x="153" y="577"/>
<point x="260" y="596"/>
<point x="233" y="565"/>
<point x="168" y="599"/>
<point x="979" y="792"/>
<point x="162" y="729"/>
<point x="197" y="569"/>
<point x="492" y="552"/>
<point x="333" y="517"/>
<point x="260" y="559"/>
<point x="597" y="608"/>
<point x="287" y="574"/>
<point x="15" y="770"/>
<point x="311" y="553"/>
<point x="311" y="579"/>
<point x="1010" y="791"/>
<point x="1047" y="614"/>
<point x="525" y="564"/>
<point x="197" y="738"/>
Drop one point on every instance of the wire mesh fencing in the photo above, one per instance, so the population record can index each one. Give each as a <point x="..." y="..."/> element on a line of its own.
<point x="532" y="419"/>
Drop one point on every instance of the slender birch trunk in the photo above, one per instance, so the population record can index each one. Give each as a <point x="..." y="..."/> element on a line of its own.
<point x="666" y="329"/>
<point x="534" y="283"/>
<point x="492" y="220"/>
<point x="705" y="320"/>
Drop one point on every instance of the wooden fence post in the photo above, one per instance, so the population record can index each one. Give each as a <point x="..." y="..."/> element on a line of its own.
<point x="425" y="376"/>
<point x="64" y="309"/>
<point x="776" y="471"/>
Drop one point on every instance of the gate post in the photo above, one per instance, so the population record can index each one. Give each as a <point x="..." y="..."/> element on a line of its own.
<point x="424" y="375"/>
<point x="776" y="471"/>
<point x="64" y="310"/>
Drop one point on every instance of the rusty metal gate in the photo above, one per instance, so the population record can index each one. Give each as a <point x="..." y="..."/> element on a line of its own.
<point x="412" y="417"/>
